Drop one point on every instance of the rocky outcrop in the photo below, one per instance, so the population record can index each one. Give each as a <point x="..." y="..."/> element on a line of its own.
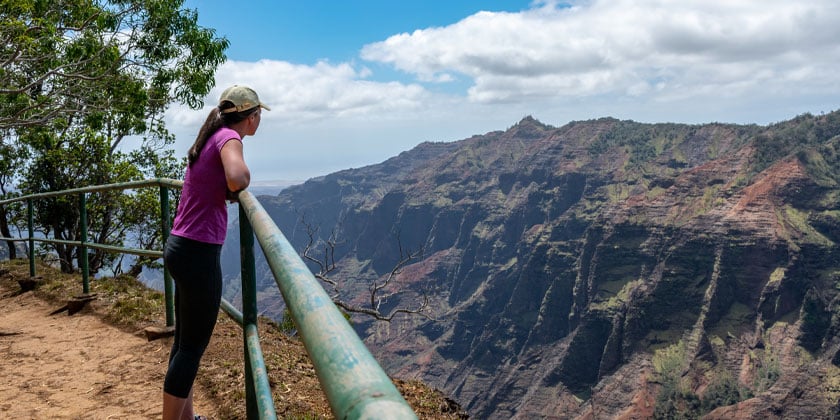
<point x="603" y="269"/>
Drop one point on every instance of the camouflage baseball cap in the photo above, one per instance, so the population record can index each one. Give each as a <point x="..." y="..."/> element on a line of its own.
<point x="242" y="97"/>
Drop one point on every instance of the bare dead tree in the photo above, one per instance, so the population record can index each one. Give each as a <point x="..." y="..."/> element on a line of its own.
<point x="377" y="289"/>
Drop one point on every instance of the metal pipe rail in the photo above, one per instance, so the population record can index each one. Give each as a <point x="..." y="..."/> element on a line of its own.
<point x="354" y="383"/>
<point x="162" y="183"/>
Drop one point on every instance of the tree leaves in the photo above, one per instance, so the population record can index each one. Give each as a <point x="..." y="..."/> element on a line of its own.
<point x="79" y="77"/>
<point x="60" y="54"/>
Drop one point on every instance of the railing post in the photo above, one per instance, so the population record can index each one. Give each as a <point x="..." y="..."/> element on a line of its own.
<point x="168" y="294"/>
<point x="83" y="251"/>
<point x="30" y="222"/>
<point x="258" y="399"/>
<point x="249" y="304"/>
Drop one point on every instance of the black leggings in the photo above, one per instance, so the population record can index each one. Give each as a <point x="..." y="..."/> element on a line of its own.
<point x="197" y="272"/>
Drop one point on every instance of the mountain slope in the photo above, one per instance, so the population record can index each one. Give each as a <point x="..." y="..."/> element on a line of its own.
<point x="603" y="268"/>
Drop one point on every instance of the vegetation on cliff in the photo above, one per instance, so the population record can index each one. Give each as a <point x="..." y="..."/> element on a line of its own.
<point x="562" y="262"/>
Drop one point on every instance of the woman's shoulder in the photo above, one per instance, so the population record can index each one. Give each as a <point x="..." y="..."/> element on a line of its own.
<point x="226" y="133"/>
<point x="222" y="136"/>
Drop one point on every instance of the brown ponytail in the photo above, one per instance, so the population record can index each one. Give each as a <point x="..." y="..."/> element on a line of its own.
<point x="215" y="120"/>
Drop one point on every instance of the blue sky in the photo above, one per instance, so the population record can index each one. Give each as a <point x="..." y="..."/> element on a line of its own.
<point x="352" y="83"/>
<point x="308" y="31"/>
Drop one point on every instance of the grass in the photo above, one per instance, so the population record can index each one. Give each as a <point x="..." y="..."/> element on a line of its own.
<point x="798" y="220"/>
<point x="736" y="320"/>
<point x="618" y="292"/>
<point x="127" y="304"/>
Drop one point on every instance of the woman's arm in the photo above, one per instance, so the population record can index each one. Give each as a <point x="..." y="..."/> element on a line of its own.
<point x="236" y="171"/>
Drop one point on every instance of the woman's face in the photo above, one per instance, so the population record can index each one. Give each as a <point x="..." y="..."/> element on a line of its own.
<point x="254" y="121"/>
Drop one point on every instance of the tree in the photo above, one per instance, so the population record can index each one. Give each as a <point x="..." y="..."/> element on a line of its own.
<point x="10" y="158"/>
<point x="379" y="290"/>
<point x="77" y="77"/>
<point x="141" y="216"/>
<point x="56" y="55"/>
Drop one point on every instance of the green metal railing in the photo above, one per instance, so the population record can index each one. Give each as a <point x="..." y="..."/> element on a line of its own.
<point x="162" y="183"/>
<point x="354" y="383"/>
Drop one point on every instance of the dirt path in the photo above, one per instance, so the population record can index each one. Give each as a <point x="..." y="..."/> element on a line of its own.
<point x="73" y="367"/>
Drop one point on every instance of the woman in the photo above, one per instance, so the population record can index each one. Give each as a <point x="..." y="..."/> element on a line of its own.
<point x="216" y="172"/>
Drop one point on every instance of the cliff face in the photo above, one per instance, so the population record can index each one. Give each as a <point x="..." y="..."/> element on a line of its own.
<point x="602" y="269"/>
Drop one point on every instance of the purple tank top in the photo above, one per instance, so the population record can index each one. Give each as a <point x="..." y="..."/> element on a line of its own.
<point x="202" y="212"/>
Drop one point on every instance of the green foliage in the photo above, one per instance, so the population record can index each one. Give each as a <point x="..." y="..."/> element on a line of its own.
<point x="644" y="142"/>
<point x="287" y="324"/>
<point x="84" y="158"/>
<point x="80" y="76"/>
<point x="668" y="362"/>
<point x="674" y="403"/>
<point x="768" y="372"/>
<point x="71" y="56"/>
<point x="132" y="302"/>
<point x="801" y="133"/>
<point x="624" y="133"/>
<point x="675" y="400"/>
<point x="822" y="164"/>
<point x="816" y="319"/>
<point x="11" y="158"/>
<point x="723" y="390"/>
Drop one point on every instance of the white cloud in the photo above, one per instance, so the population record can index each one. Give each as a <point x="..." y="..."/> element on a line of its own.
<point x="303" y="93"/>
<point x="320" y="118"/>
<point x="649" y="60"/>
<point x="632" y="47"/>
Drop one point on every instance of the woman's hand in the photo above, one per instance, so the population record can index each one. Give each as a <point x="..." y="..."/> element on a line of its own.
<point x="232" y="196"/>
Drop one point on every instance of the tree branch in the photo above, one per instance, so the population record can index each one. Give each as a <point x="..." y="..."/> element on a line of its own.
<point x="326" y="264"/>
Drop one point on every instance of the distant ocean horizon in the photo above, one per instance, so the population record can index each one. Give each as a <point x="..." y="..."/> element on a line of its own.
<point x="272" y="187"/>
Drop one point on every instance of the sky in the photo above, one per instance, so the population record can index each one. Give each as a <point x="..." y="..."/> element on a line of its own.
<point x="353" y="83"/>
